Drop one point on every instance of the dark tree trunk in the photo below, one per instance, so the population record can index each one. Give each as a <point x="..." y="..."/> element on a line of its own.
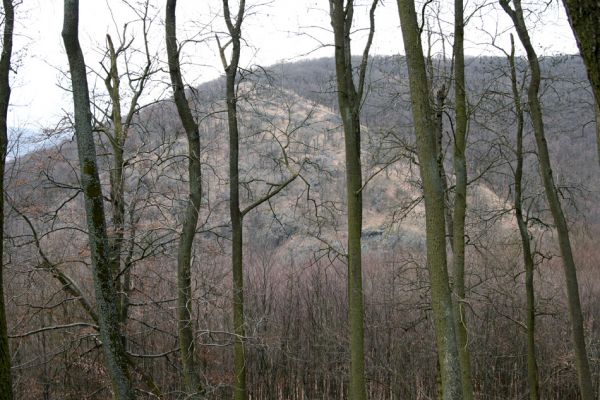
<point x="532" y="368"/>
<point x="584" y="17"/>
<point x="108" y="316"/>
<point x="237" y="260"/>
<point x="188" y="231"/>
<point x="6" y="392"/>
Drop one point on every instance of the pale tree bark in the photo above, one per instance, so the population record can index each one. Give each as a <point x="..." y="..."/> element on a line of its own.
<point x="425" y="129"/>
<point x="349" y="99"/>
<point x="532" y="368"/>
<point x="562" y="229"/>
<point x="108" y="317"/>
<point x="6" y="392"/>
<point x="584" y="17"/>
<point x="188" y="231"/>
<point x="460" y="200"/>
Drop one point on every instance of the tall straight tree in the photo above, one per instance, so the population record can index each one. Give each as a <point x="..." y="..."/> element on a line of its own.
<point x="562" y="229"/>
<point x="350" y="96"/>
<point x="6" y="392"/>
<point x="460" y="199"/>
<point x="433" y="191"/>
<point x="106" y="296"/>
<point x="239" y="356"/>
<point x="234" y="28"/>
<point x="584" y="17"/>
<point x="532" y="368"/>
<point x="188" y="231"/>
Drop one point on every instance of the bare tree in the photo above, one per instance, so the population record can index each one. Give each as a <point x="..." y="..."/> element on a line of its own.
<point x="188" y="231"/>
<point x="237" y="214"/>
<point x="562" y="229"/>
<point x="528" y="261"/>
<point x="117" y="129"/>
<point x="460" y="199"/>
<point x="108" y="317"/>
<point x="433" y="190"/>
<point x="350" y="98"/>
<point x="6" y="392"/>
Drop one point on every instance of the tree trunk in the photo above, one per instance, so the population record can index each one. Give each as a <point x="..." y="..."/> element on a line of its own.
<point x="188" y="231"/>
<point x="562" y="230"/>
<point x="108" y="318"/>
<point x="532" y="368"/>
<point x="117" y="184"/>
<point x="237" y="260"/>
<point x="6" y="392"/>
<point x="425" y="127"/>
<point x="460" y="201"/>
<point x="584" y="17"/>
<point x="349" y="99"/>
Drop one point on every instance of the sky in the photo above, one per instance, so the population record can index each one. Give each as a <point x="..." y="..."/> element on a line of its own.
<point x="274" y="31"/>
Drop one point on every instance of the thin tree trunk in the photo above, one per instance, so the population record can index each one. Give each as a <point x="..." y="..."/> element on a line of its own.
<point x="188" y="231"/>
<point x="117" y="184"/>
<point x="6" y="392"/>
<point x="460" y="201"/>
<point x="349" y="99"/>
<point x="584" y="17"/>
<point x="237" y="260"/>
<point x="425" y="127"/>
<point x="574" y="302"/>
<point x="439" y="132"/>
<point x="108" y="318"/>
<point x="532" y="368"/>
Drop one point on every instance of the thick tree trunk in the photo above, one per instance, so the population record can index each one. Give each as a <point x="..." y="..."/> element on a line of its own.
<point x="108" y="318"/>
<point x="6" y="392"/>
<point x="460" y="201"/>
<point x="188" y="231"/>
<point x="532" y="368"/>
<point x="424" y="120"/>
<point x="562" y="230"/>
<point x="584" y="17"/>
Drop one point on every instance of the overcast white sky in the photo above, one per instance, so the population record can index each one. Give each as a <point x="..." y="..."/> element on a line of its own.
<point x="276" y="30"/>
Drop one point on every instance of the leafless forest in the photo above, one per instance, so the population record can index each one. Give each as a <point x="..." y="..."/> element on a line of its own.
<point x="418" y="226"/>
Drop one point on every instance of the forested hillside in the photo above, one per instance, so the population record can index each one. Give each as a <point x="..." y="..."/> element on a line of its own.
<point x="204" y="245"/>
